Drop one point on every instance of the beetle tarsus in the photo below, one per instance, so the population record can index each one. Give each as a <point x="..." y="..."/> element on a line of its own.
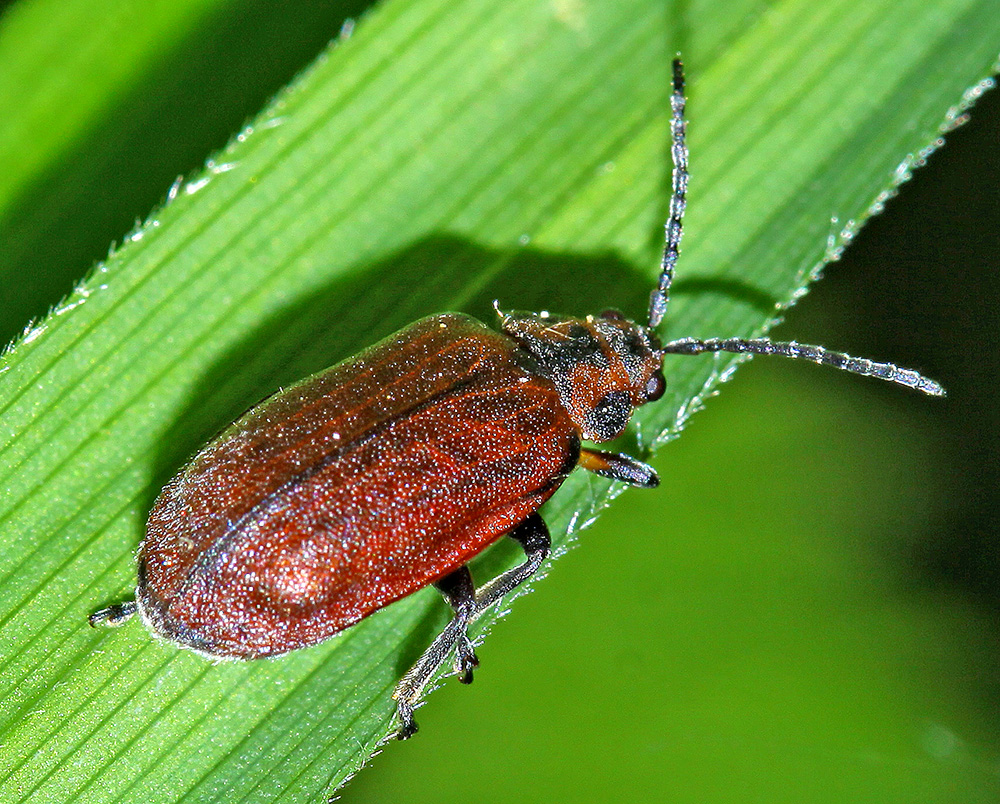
<point x="466" y="664"/>
<point x="408" y="726"/>
<point x="113" y="615"/>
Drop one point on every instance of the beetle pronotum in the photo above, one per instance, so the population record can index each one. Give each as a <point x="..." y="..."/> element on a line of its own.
<point x="391" y="470"/>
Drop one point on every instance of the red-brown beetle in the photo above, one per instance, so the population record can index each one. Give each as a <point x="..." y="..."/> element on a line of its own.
<point x="391" y="470"/>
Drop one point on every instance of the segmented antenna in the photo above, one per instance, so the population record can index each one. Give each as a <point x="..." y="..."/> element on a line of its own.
<point x="765" y="346"/>
<point x="757" y="346"/>
<point x="678" y="194"/>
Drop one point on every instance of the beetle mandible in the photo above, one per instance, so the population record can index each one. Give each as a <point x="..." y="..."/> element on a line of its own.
<point x="391" y="470"/>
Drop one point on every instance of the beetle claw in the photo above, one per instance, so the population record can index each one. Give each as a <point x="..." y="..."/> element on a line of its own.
<point x="466" y="667"/>
<point x="465" y="658"/>
<point x="466" y="661"/>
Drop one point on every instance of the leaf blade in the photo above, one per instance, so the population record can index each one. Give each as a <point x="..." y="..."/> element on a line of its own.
<point x="155" y="356"/>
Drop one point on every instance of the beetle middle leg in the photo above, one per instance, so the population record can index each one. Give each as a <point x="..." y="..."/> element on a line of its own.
<point x="533" y="536"/>
<point x="460" y="593"/>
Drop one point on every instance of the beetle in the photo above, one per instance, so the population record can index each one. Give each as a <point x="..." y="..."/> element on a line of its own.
<point x="391" y="470"/>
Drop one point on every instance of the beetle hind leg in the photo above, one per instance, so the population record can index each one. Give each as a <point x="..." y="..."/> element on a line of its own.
<point x="114" y="615"/>
<point x="533" y="536"/>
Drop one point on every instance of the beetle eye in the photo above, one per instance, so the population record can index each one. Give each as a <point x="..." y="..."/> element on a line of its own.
<point x="655" y="387"/>
<point x="612" y="315"/>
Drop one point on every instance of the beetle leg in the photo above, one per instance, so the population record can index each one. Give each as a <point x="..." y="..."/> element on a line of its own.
<point x="113" y="615"/>
<point x="460" y="593"/>
<point x="533" y="536"/>
<point x="619" y="467"/>
<point x="408" y="690"/>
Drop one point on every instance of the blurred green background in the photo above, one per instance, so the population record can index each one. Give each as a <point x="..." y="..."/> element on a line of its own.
<point x="820" y="567"/>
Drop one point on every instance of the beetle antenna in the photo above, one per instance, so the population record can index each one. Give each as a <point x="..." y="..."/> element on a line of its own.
<point x="765" y="346"/>
<point x="678" y="194"/>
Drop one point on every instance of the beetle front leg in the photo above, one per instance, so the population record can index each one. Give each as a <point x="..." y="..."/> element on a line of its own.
<point x="533" y="536"/>
<point x="618" y="466"/>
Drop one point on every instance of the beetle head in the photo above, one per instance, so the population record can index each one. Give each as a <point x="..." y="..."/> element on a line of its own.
<point x="603" y="366"/>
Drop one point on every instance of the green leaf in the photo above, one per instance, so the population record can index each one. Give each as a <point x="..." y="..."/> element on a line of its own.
<point x="100" y="119"/>
<point x="447" y="154"/>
